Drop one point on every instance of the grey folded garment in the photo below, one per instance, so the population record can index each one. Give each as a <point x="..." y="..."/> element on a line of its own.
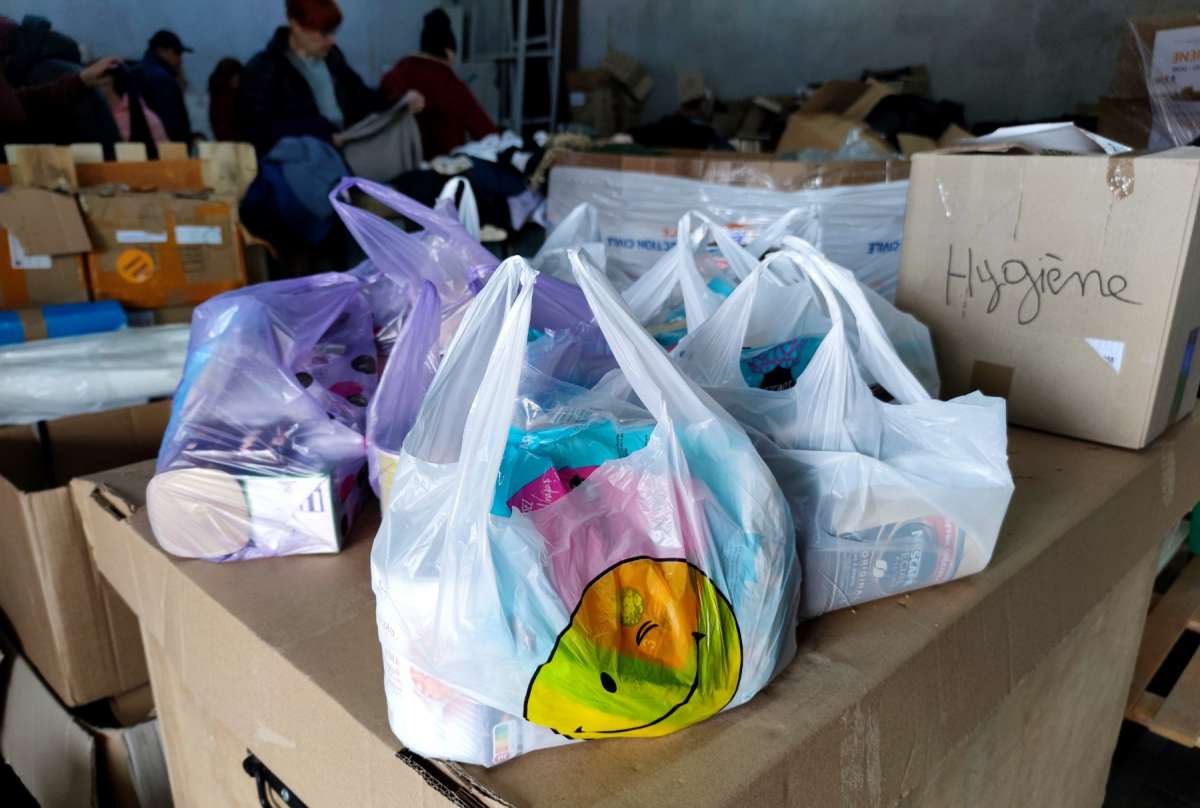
<point x="383" y="145"/>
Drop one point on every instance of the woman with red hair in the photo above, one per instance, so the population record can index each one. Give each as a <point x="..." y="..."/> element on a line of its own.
<point x="300" y="84"/>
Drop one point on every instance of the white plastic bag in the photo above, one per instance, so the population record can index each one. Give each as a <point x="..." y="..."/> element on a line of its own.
<point x="577" y="231"/>
<point x="792" y="312"/>
<point x="627" y="597"/>
<point x="466" y="208"/>
<point x="887" y="497"/>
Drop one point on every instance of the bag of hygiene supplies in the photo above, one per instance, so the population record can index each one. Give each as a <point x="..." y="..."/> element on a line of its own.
<point x="263" y="455"/>
<point x="887" y="496"/>
<point x="557" y="565"/>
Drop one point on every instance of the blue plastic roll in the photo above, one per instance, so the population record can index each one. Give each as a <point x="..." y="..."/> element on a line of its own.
<point x="66" y="320"/>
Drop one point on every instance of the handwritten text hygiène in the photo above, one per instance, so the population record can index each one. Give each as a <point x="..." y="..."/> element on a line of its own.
<point x="1046" y="275"/>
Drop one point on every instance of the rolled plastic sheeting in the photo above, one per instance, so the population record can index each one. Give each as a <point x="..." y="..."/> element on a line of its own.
<point x="55" y="378"/>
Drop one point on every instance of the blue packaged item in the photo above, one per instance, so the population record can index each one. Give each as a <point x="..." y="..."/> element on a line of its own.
<point x="66" y="320"/>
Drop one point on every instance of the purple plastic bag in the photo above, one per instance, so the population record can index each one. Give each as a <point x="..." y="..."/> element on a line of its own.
<point x="402" y="386"/>
<point x="264" y="454"/>
<point x="442" y="252"/>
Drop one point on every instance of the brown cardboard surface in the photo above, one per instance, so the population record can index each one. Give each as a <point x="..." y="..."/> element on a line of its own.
<point x="66" y="762"/>
<point x="734" y="168"/>
<point x="82" y="638"/>
<point x="42" y="166"/>
<point x="64" y="282"/>
<point x="45" y="222"/>
<point x="875" y="702"/>
<point x="140" y="259"/>
<point x="1071" y="704"/>
<point x="1084" y="284"/>
<point x="1125" y="120"/>
<point x="1129" y="79"/>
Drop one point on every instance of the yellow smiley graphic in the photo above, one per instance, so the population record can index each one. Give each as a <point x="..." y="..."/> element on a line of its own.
<point x="652" y="647"/>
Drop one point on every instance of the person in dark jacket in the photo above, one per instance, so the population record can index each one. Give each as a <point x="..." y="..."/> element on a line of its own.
<point x="301" y="84"/>
<point x="223" y="99"/>
<point x="159" y="78"/>
<point x="46" y="96"/>
<point x="448" y="111"/>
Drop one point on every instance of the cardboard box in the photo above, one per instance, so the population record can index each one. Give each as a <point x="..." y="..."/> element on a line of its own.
<point x="829" y="132"/>
<point x="83" y="640"/>
<point x="66" y="761"/>
<point x="599" y="103"/>
<point x="1002" y="689"/>
<point x="42" y="239"/>
<point x="1070" y="285"/>
<point x="1135" y="53"/>
<point x="1125" y="120"/>
<point x="629" y="73"/>
<point x="156" y="249"/>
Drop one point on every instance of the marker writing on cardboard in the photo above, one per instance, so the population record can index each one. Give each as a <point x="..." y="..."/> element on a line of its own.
<point x="1047" y="277"/>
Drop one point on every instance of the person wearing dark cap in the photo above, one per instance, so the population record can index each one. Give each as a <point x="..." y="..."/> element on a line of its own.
<point x="301" y="84"/>
<point x="159" y="79"/>
<point x="451" y="113"/>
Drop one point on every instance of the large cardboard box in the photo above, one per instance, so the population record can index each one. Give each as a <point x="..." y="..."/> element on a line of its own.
<point x="71" y="760"/>
<point x="1006" y="688"/>
<point x="42" y="241"/>
<point x="156" y="249"/>
<point x="79" y="635"/>
<point x="1069" y="285"/>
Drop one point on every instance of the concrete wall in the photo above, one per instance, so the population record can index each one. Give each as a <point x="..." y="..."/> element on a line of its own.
<point x="374" y="35"/>
<point x="1004" y="60"/>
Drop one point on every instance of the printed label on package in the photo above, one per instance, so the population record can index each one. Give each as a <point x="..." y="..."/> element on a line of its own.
<point x="864" y="565"/>
<point x="141" y="237"/>
<point x="23" y="260"/>
<point x="197" y="234"/>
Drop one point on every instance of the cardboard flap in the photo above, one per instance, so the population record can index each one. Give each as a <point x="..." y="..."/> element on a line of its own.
<point x="53" y="755"/>
<point x="45" y="222"/>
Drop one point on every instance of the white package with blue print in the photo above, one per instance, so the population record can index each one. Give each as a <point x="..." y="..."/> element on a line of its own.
<point x="857" y="226"/>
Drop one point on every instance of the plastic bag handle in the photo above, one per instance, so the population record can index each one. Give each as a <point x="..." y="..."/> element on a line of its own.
<point x="390" y="198"/>
<point x="486" y="429"/>
<point x="650" y="292"/>
<point x="658" y="383"/>
<point x="407" y="371"/>
<point x="776" y="231"/>
<point x="875" y="347"/>
<point x="571" y="230"/>
<point x="467" y="207"/>
<point x="741" y="261"/>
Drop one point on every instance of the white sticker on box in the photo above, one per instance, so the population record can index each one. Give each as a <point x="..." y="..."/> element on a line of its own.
<point x="197" y="234"/>
<point x="1110" y="350"/>
<point x="22" y="260"/>
<point x="140" y="237"/>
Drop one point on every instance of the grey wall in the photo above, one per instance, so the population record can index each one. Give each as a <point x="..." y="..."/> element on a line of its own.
<point x="1012" y="59"/>
<point x="374" y="35"/>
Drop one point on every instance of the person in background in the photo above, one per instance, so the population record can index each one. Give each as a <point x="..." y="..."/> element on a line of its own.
<point x="135" y="120"/>
<point x="46" y="96"/>
<point x="300" y="84"/>
<point x="159" y="77"/>
<point x="223" y="98"/>
<point x="449" y="113"/>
